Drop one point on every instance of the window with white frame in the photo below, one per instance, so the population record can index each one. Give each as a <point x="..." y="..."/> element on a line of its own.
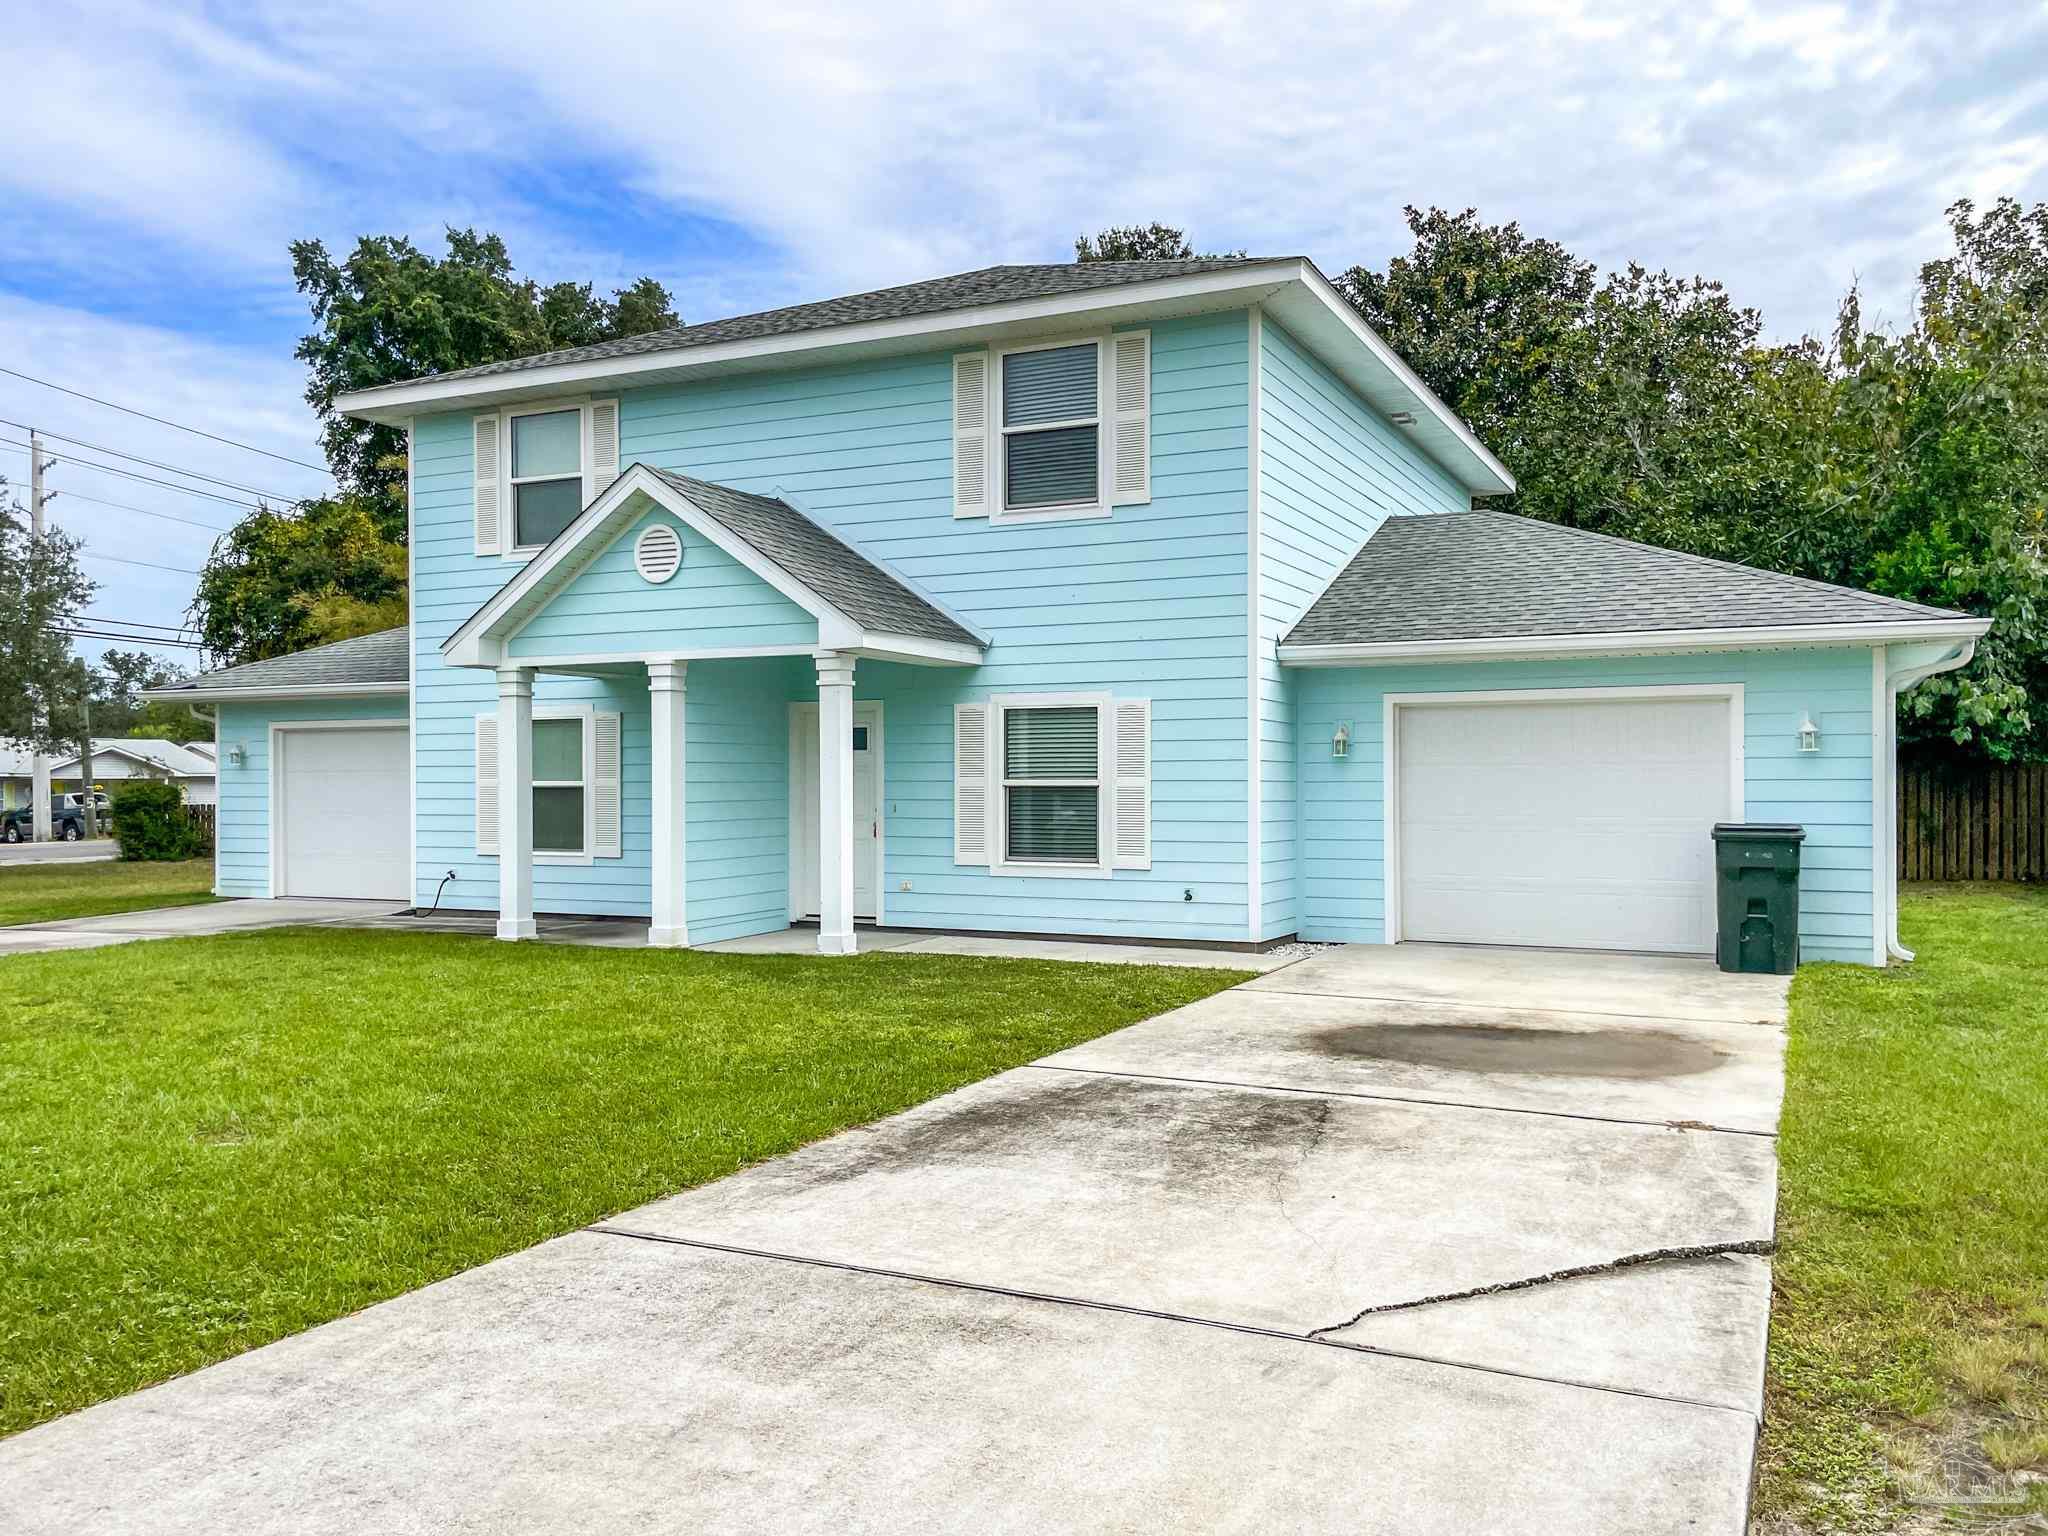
<point x="547" y="474"/>
<point x="1051" y="426"/>
<point x="559" y="785"/>
<point x="1052" y="784"/>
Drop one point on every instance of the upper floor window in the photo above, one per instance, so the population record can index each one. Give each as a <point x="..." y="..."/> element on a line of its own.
<point x="1051" y="427"/>
<point x="547" y="475"/>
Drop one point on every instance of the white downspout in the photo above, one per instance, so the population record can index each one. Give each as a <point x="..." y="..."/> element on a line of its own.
<point x="1897" y="681"/>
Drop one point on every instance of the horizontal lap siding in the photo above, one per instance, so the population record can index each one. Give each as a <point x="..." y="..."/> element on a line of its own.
<point x="712" y="602"/>
<point x="1330" y="471"/>
<point x="1148" y="603"/>
<point x="241" y="842"/>
<point x="1828" y="792"/>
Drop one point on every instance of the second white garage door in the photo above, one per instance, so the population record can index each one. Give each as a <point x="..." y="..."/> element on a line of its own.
<point x="1573" y="823"/>
<point x="340" y="822"/>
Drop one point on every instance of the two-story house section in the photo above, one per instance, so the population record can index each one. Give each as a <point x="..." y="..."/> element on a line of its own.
<point x="1135" y="600"/>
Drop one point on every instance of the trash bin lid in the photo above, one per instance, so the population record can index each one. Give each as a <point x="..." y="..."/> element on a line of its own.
<point x="1760" y="831"/>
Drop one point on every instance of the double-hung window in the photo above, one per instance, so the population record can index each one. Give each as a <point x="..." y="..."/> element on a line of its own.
<point x="547" y="474"/>
<point x="1051" y="425"/>
<point x="1052" y="784"/>
<point x="559" y="786"/>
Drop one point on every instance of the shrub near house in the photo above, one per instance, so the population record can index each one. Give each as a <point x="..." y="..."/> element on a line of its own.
<point x="150" y="822"/>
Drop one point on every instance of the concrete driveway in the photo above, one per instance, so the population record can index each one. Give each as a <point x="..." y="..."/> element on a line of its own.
<point x="1414" y="1240"/>
<point x="57" y="851"/>
<point x="186" y="922"/>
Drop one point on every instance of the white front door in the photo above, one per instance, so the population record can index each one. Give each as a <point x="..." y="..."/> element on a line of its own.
<point x="1579" y="823"/>
<point x="867" y="811"/>
<point x="339" y="824"/>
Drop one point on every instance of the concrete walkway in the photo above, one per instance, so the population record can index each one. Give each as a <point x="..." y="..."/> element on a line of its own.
<point x="1409" y="1241"/>
<point x="184" y="922"/>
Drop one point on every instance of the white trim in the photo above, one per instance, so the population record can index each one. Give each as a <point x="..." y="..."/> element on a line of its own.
<point x="509" y="546"/>
<point x="798" y="869"/>
<point x="1390" y="756"/>
<point x="258" y="695"/>
<point x="999" y="861"/>
<point x="412" y="702"/>
<point x="999" y="509"/>
<point x="1254" y="843"/>
<point x="273" y="817"/>
<point x="420" y="395"/>
<point x="917" y="650"/>
<point x="1625" y="642"/>
<point x="1883" y="812"/>
<point x="561" y="661"/>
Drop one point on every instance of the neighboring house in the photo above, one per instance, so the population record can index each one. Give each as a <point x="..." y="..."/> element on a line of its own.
<point x="116" y="758"/>
<point x="1136" y="600"/>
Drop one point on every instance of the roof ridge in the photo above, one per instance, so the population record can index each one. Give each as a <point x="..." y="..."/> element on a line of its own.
<point x="1880" y="598"/>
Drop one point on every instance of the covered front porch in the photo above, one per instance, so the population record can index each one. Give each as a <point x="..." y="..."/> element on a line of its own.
<point x="680" y="600"/>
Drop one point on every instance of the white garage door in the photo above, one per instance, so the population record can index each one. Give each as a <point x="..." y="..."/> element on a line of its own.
<point x="1574" y="823"/>
<point x="341" y="826"/>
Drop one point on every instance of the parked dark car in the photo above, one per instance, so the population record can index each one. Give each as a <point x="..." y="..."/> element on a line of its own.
<point x="67" y="819"/>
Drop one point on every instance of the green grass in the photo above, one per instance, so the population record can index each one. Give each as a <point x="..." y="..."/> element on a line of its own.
<point x="1909" y="1333"/>
<point x="42" y="893"/>
<point x="210" y="1143"/>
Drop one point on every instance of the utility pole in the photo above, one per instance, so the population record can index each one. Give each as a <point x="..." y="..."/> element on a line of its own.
<point x="39" y="772"/>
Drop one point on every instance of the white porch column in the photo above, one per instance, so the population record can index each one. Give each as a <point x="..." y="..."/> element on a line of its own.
<point x="670" y="928"/>
<point x="515" y="803"/>
<point x="835" y="803"/>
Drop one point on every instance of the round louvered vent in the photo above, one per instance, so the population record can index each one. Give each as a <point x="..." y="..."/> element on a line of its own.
<point x="658" y="553"/>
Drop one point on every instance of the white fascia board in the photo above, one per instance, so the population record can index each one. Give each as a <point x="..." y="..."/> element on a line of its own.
<point x="1628" y="642"/>
<point x="918" y="650"/>
<point x="259" y="694"/>
<point x="1328" y="316"/>
<point x="394" y="404"/>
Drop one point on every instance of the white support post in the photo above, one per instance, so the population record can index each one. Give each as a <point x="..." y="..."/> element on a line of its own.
<point x="515" y="803"/>
<point x="835" y="803"/>
<point x="670" y="928"/>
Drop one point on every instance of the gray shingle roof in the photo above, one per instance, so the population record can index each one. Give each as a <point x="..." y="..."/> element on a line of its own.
<point x="1492" y="575"/>
<point x="963" y="290"/>
<point x="367" y="659"/>
<point x="866" y="592"/>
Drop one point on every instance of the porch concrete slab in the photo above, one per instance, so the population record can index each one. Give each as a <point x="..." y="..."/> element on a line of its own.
<point x="598" y="1384"/>
<point x="1100" y="954"/>
<point x="185" y="922"/>
<point x="1573" y="981"/>
<point x="804" y="941"/>
<point x="1262" y="1208"/>
<point x="1606" y="1066"/>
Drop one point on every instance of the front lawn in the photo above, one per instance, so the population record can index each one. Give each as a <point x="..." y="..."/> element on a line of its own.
<point x="42" y="893"/>
<point x="1909" y="1334"/>
<point x="210" y="1143"/>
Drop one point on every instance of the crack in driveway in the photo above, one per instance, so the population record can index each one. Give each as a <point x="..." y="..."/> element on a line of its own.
<point x="1761" y="1246"/>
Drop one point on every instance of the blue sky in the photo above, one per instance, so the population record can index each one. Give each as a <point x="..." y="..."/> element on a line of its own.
<point x="160" y="157"/>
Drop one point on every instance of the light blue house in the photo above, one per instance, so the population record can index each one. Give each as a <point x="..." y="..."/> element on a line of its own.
<point x="1131" y="600"/>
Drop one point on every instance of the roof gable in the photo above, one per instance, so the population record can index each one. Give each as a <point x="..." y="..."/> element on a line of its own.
<point x="858" y="602"/>
<point x="1492" y="576"/>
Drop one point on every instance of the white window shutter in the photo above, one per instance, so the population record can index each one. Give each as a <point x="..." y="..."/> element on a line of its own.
<point x="1131" y="419"/>
<point x="487" y="488"/>
<point x="487" y="783"/>
<point x="971" y="386"/>
<point x="1132" y="810"/>
<point x="604" y="787"/>
<point x="604" y="447"/>
<point x="971" y="786"/>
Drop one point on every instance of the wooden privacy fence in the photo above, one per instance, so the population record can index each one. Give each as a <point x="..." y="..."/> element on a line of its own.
<point x="202" y="817"/>
<point x="1983" y="824"/>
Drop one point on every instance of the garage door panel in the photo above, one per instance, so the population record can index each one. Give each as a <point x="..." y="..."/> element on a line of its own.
<point x="344" y="796"/>
<point x="1562" y="823"/>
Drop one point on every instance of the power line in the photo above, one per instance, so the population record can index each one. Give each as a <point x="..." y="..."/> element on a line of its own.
<point x="164" y="422"/>
<point x="175" y="469"/>
<point x="143" y="640"/>
<point x="182" y="570"/>
<point x="101" y="619"/>
<point x="122" y="506"/>
<point x="129" y="474"/>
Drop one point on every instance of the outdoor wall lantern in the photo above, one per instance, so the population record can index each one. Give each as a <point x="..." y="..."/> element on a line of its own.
<point x="1809" y="734"/>
<point x="1340" y="744"/>
<point x="236" y="756"/>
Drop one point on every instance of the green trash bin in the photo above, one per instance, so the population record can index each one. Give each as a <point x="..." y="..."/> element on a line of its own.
<point x="1756" y="880"/>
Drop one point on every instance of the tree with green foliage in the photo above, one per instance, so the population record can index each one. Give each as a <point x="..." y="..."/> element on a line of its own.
<point x="390" y="311"/>
<point x="1142" y="242"/>
<point x="1649" y="406"/>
